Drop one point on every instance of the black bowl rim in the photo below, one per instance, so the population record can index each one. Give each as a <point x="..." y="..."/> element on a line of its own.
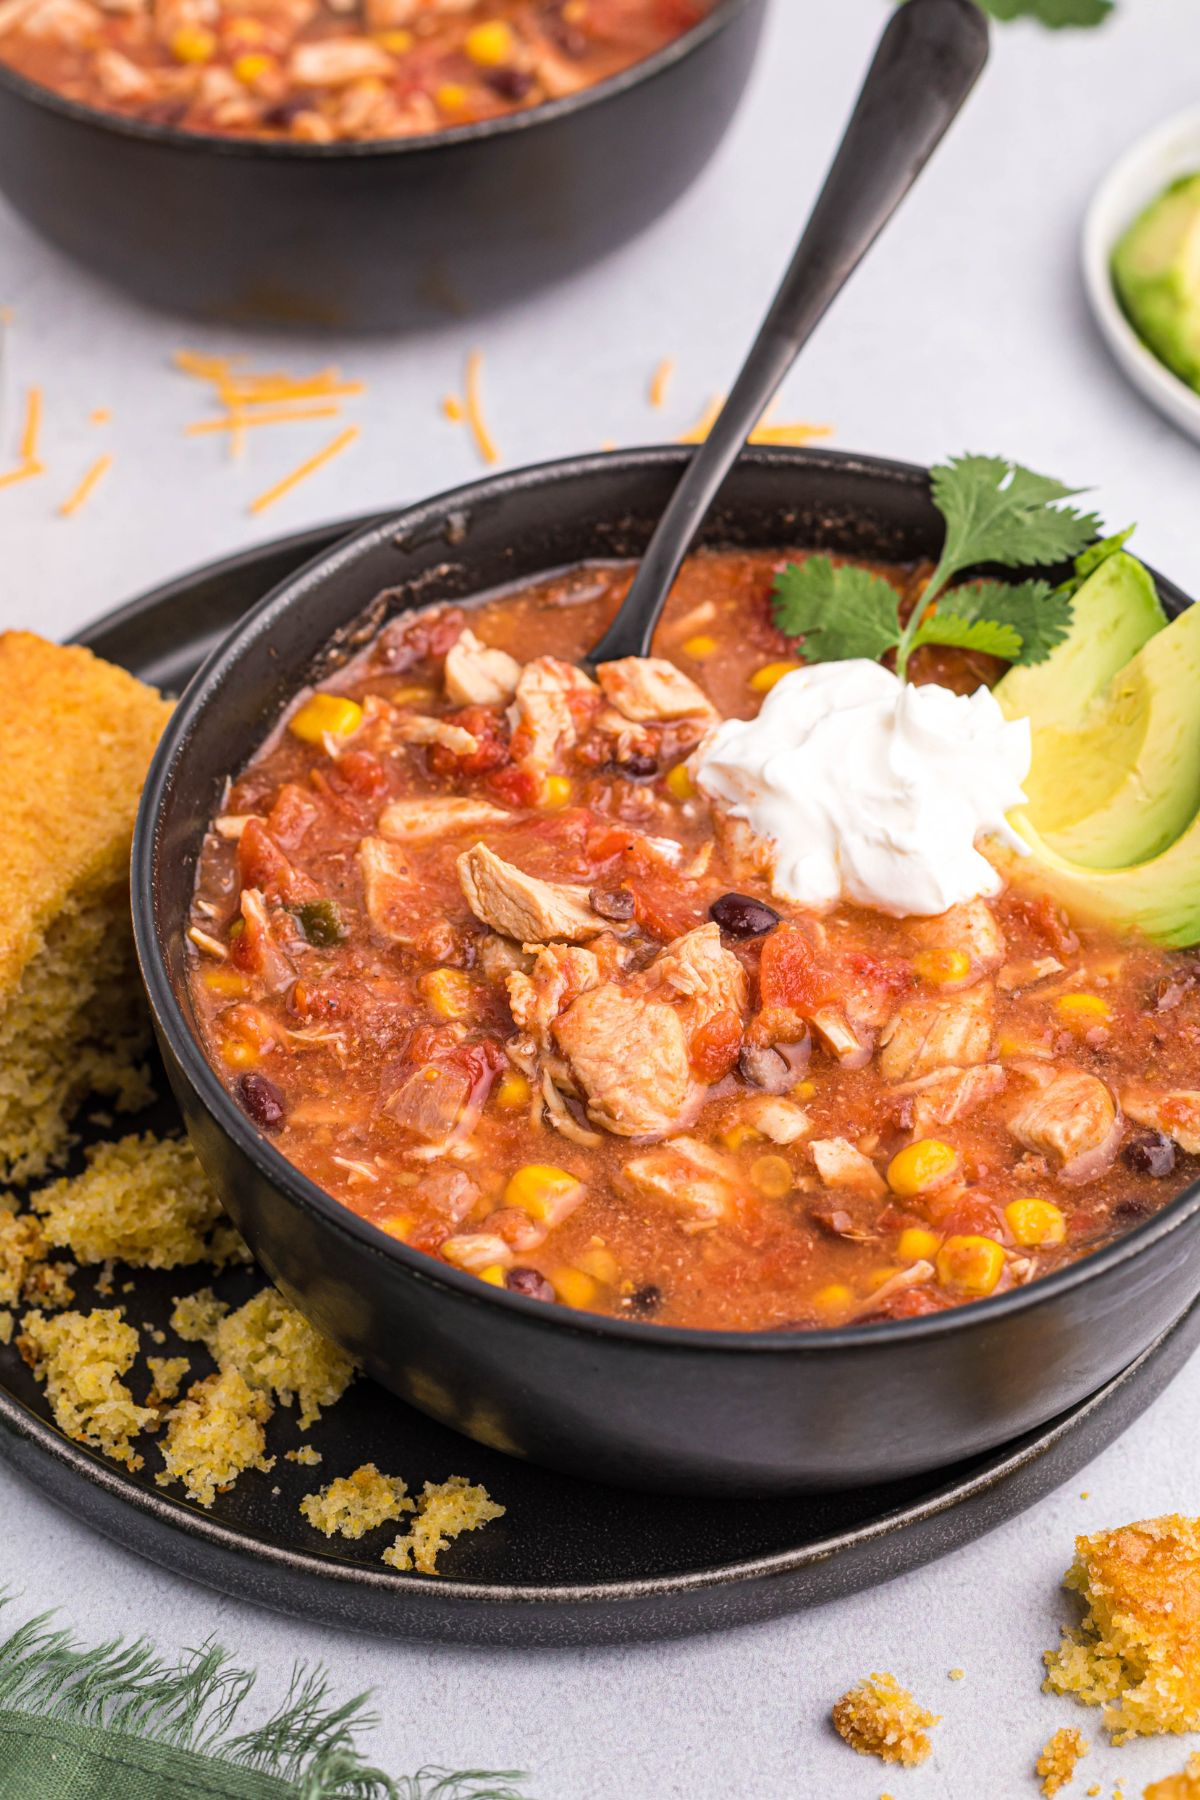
<point x="354" y="149"/>
<point x="285" y="1177"/>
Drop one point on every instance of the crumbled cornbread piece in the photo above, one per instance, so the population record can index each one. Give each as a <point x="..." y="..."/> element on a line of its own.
<point x="444" y="1510"/>
<point x="1056" y="1764"/>
<point x="1178" y="1787"/>
<point x="880" y="1718"/>
<point x="81" y="1357"/>
<point x="168" y="1374"/>
<point x="142" y="1200"/>
<point x="1137" y="1652"/>
<point x="306" y="1454"/>
<point x="214" y="1434"/>
<point x="272" y="1345"/>
<point x="6" y="1327"/>
<point x="48" y="1285"/>
<point x="76" y="737"/>
<point x="357" y="1503"/>
<point x="22" y="1247"/>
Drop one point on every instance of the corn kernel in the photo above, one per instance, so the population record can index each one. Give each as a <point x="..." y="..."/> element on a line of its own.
<point x="398" y="1225"/>
<point x="238" y="1053"/>
<point x="513" y="1090"/>
<point x="556" y="792"/>
<point x="193" y="44"/>
<point x="601" y="1265"/>
<point x="251" y="66"/>
<point x="804" y="1090"/>
<point x="493" y="1275"/>
<point x="734" y="1136"/>
<point x="226" y="981"/>
<point x="573" y="1287"/>
<point x="917" y="1245"/>
<point x="399" y="43"/>
<point x="325" y="715"/>
<point x="1082" y="1009"/>
<point x="919" y="1167"/>
<point x="451" y="96"/>
<point x="700" y="646"/>
<point x="541" y="1190"/>
<point x="941" y="967"/>
<point x="680" y="785"/>
<point x="764" y="679"/>
<point x="833" y="1300"/>
<point x="491" y="44"/>
<point x="1035" y="1222"/>
<point x="973" y="1264"/>
<point x="447" y="991"/>
<point x="772" y="1176"/>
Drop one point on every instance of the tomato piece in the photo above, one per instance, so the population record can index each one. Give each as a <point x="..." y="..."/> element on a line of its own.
<point x="292" y="814"/>
<point x="515" y="787"/>
<point x="664" y="910"/>
<point x="262" y="865"/>
<point x="490" y="731"/>
<point x="715" y="1046"/>
<point x="790" y="978"/>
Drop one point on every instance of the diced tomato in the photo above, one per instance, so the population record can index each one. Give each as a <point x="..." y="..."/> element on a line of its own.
<point x="490" y="731"/>
<point x="360" y="773"/>
<point x="292" y="814"/>
<point x="972" y="1215"/>
<point x="418" y="638"/>
<point x="715" y="1046"/>
<point x="514" y="786"/>
<point x="891" y="974"/>
<point x="1047" y="920"/>
<point x="790" y="978"/>
<point x="262" y="865"/>
<point x="664" y="908"/>
<point x="909" y="1303"/>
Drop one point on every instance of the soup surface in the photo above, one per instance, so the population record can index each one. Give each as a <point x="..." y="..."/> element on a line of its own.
<point x="466" y="945"/>
<point x="320" y="70"/>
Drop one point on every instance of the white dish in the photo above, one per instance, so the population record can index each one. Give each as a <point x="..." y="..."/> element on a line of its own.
<point x="1143" y="172"/>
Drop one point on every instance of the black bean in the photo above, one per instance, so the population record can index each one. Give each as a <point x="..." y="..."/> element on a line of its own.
<point x="638" y="765"/>
<point x="764" y="1068"/>
<point x="1136" y="1206"/>
<point x="742" y="917"/>
<point x="510" y="84"/>
<point x="529" y="1283"/>
<point x="1150" y="1153"/>
<point x="612" y="903"/>
<point x="645" y="1300"/>
<point x="262" y="1100"/>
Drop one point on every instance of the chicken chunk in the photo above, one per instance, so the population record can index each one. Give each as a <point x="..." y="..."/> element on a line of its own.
<point x="413" y="821"/>
<point x="651" y="690"/>
<point x="478" y="676"/>
<point x="560" y="973"/>
<point x="1068" y="1116"/>
<point x="841" y="1165"/>
<point x="419" y="728"/>
<point x="628" y="1047"/>
<point x="954" y="1031"/>
<point x="690" y="1177"/>
<point x="952" y="1094"/>
<point x="522" y="907"/>
<point x="780" y="1120"/>
<point x="972" y="930"/>
<point x="394" y="900"/>
<point x="334" y="62"/>
<point x="1175" y="1113"/>
<point x="554" y="700"/>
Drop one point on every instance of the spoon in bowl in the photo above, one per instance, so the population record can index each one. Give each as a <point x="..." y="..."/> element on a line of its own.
<point x="928" y="60"/>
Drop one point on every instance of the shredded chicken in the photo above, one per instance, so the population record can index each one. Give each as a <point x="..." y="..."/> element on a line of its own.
<point x="393" y="893"/>
<point x="651" y="690"/>
<point x="954" y="1031"/>
<point x="478" y="676"/>
<point x="419" y="728"/>
<point x="841" y="1165"/>
<point x="1068" y="1116"/>
<point x="1175" y="1113"/>
<point x="413" y="821"/>
<point x="547" y="693"/>
<point x="951" y="1094"/>
<point x="521" y="906"/>
<point x="973" y="930"/>
<point x="692" y="1178"/>
<point x="332" y="62"/>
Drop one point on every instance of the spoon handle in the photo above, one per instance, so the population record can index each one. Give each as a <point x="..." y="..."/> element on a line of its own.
<point x="928" y="60"/>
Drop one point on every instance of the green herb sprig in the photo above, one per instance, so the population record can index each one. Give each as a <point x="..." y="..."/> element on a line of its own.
<point x="996" y="512"/>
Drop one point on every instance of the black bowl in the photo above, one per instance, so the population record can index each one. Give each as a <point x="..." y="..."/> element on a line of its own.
<point x="641" y="1405"/>
<point x="381" y="234"/>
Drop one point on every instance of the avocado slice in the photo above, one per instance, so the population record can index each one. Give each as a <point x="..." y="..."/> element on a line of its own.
<point x="1124" y="782"/>
<point x="1116" y="611"/>
<point x="1156" y="272"/>
<point x="1157" y="900"/>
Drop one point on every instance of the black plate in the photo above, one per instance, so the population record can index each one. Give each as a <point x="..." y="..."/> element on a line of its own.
<point x="570" y="1563"/>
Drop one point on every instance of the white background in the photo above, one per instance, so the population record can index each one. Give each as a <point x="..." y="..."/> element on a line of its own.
<point x="966" y="330"/>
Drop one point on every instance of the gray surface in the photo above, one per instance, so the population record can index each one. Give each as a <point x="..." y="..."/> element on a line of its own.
<point x="966" y="330"/>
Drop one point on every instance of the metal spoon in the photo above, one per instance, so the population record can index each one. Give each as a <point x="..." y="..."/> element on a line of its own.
<point x="928" y="60"/>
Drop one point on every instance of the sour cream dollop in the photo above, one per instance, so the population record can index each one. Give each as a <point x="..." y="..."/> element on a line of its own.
<point x="865" y="788"/>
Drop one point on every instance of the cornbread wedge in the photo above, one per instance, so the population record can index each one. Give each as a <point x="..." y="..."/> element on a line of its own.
<point x="76" y="737"/>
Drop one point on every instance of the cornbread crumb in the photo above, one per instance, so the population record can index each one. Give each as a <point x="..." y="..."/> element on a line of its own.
<point x="957" y="1674"/>
<point x="444" y="1510"/>
<point x="6" y="1327"/>
<point x="1093" y="1790"/>
<point x="76" y="737"/>
<point x="22" y="1247"/>
<point x="1178" y="1787"/>
<point x="1137" y="1651"/>
<point x="306" y="1454"/>
<point x="880" y="1718"/>
<point x="49" y="1286"/>
<point x="143" y="1200"/>
<point x="272" y="1345"/>
<point x="215" y="1434"/>
<point x="357" y="1503"/>
<point x="168" y="1374"/>
<point x="1056" y="1765"/>
<point x="81" y="1357"/>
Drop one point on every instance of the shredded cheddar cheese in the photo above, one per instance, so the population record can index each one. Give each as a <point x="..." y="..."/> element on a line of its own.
<point x="238" y="421"/>
<point x="251" y="397"/>
<point x="94" y="475"/>
<point x="452" y="407"/>
<point x="484" y="441"/>
<point x="22" y="472"/>
<point x="31" y="431"/>
<point x="796" y="432"/>
<point x="333" y="448"/>
<point x="660" y="381"/>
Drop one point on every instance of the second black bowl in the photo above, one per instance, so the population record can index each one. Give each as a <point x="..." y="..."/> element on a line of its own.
<point x="606" y="1399"/>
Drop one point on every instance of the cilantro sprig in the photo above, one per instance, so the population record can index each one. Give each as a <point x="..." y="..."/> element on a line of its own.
<point x="996" y="512"/>
<point x="1057" y="14"/>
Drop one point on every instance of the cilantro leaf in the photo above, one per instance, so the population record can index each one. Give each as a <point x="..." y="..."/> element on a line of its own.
<point x="1039" y="614"/>
<point x="1054" y="13"/>
<point x="949" y="628"/>
<point x="999" y="512"/>
<point x="839" y="612"/>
